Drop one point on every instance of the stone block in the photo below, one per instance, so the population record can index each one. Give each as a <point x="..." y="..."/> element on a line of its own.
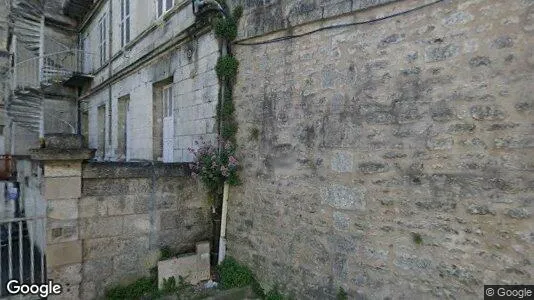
<point x="62" y="188"/>
<point x="98" y="268"/>
<point x="342" y="162"/>
<point x="136" y="225"/>
<point x="192" y="268"/>
<point x="91" y="206"/>
<point x="203" y="248"/>
<point x="62" y="169"/>
<point x="88" y="290"/>
<point x="64" y="141"/>
<point x="66" y="209"/>
<point x="345" y="197"/>
<point x="67" y="293"/>
<point x="441" y="53"/>
<point x="63" y="254"/>
<point x="66" y="275"/>
<point x="59" y="231"/>
<point x="119" y="205"/>
<point x="487" y="112"/>
<point x="101" y="227"/>
<point x="102" y="247"/>
<point x="341" y="221"/>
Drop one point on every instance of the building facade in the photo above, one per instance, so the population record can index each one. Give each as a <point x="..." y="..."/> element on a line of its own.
<point x="154" y="90"/>
<point x="135" y="77"/>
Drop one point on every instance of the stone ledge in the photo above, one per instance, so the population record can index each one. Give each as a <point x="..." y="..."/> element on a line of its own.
<point x="134" y="170"/>
<point x="64" y="141"/>
<point x="51" y="154"/>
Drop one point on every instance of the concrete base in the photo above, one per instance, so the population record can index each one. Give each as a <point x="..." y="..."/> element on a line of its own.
<point x="193" y="268"/>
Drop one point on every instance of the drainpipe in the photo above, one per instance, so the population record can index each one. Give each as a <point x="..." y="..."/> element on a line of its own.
<point x="197" y="5"/>
<point x="110" y="73"/>
<point x="222" y="238"/>
<point x="40" y="78"/>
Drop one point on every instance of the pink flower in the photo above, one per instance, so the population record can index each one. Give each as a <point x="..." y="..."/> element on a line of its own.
<point x="224" y="171"/>
<point x="232" y="161"/>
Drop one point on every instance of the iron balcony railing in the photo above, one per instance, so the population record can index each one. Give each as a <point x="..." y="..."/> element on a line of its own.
<point x="52" y="68"/>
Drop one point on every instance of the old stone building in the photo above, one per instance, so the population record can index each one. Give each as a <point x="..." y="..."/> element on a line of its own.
<point x="136" y="79"/>
<point x="386" y="147"/>
<point x="154" y="90"/>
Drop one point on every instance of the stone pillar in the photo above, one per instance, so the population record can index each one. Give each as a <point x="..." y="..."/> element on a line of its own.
<point x="62" y="159"/>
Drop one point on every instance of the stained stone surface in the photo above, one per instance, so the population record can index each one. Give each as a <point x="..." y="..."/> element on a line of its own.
<point x="417" y="125"/>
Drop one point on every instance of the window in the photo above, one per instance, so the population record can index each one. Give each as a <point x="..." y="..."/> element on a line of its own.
<point x="101" y="119"/>
<point x="122" y="130"/>
<point x="102" y="35"/>
<point x="164" y="6"/>
<point x="163" y="120"/>
<point x="87" y="57"/>
<point x="85" y="126"/>
<point x="125" y="22"/>
<point x="167" y="101"/>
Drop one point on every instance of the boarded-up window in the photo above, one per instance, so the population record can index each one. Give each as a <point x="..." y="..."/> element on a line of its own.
<point x="101" y="131"/>
<point x="122" y="130"/>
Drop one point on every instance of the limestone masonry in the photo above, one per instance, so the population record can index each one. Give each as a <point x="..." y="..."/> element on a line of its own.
<point x="395" y="158"/>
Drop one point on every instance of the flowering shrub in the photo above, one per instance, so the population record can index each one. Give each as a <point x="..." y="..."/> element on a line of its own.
<point x="214" y="167"/>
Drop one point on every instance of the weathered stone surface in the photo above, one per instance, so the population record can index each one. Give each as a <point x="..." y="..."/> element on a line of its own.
<point x="344" y="197"/>
<point x="63" y="141"/>
<point x="193" y="268"/>
<point x="440" y="96"/>
<point x="503" y="42"/>
<point x="518" y="213"/>
<point x="479" y="209"/>
<point x="342" y="162"/>
<point x="66" y="209"/>
<point x="66" y="275"/>
<point x="62" y="169"/>
<point x="341" y="221"/>
<point x="62" y="188"/>
<point x="63" y="254"/>
<point x="124" y="212"/>
<point x="479" y="61"/>
<point x="372" y="167"/>
<point x="441" y="53"/>
<point x="487" y="112"/>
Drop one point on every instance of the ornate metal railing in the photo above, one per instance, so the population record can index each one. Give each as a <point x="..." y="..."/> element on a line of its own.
<point x="52" y="68"/>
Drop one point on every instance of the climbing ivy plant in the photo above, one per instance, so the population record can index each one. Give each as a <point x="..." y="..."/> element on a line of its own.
<point x="215" y="166"/>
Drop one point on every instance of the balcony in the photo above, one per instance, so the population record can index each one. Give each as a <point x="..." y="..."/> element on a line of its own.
<point x="69" y="68"/>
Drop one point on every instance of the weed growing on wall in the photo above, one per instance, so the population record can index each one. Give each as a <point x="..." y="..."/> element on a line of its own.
<point x="217" y="165"/>
<point x="341" y="294"/>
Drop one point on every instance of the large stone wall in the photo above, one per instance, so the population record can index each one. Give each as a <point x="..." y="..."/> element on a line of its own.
<point x="395" y="158"/>
<point x="127" y="212"/>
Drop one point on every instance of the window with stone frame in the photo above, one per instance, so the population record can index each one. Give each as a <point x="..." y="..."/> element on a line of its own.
<point x="164" y="6"/>
<point x="125" y="22"/>
<point x="102" y="39"/>
<point x="162" y="106"/>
